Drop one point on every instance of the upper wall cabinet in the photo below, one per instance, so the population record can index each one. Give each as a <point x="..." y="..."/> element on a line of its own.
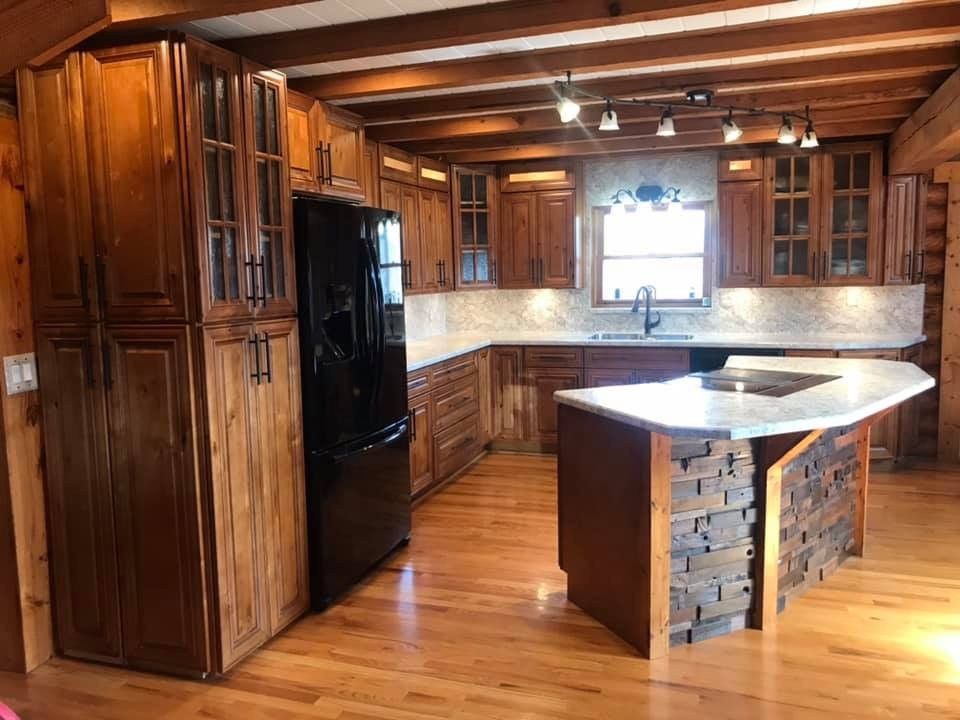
<point x="791" y="220"/>
<point x="905" y="229"/>
<point x="475" y="219"/>
<point x="527" y="177"/>
<point x="371" y="174"/>
<point x="740" y="208"/>
<point x="326" y="149"/>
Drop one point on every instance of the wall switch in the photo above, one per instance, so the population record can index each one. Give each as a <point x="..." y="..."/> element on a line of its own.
<point x="20" y="373"/>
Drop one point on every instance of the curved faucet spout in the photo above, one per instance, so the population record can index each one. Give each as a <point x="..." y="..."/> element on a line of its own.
<point x="648" y="292"/>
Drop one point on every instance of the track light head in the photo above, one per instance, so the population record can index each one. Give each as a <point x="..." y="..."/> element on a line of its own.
<point x="731" y="131"/>
<point x="567" y="108"/>
<point x="608" y="121"/>
<point x="665" y="128"/>
<point x="786" y="135"/>
<point x="809" y="138"/>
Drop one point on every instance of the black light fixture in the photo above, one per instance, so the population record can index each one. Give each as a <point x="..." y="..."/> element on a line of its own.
<point x="653" y="194"/>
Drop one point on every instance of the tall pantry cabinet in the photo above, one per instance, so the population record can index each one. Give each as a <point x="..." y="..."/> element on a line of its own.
<point x="161" y="247"/>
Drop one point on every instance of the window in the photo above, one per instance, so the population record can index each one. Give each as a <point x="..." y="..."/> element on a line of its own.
<point x="667" y="248"/>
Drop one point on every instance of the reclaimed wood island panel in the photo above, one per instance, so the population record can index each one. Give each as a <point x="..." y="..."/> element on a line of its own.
<point x="687" y="512"/>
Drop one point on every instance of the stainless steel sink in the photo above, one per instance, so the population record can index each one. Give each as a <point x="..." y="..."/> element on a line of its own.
<point x="638" y="337"/>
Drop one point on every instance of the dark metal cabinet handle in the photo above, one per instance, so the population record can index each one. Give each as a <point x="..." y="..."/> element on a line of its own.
<point x="909" y="258"/>
<point x="921" y="264"/>
<point x="101" y="273"/>
<point x="533" y="271"/>
<point x="88" y="365"/>
<point x="823" y="276"/>
<point x="443" y="273"/>
<point x="413" y="424"/>
<point x="321" y="177"/>
<point x="268" y="373"/>
<point x="493" y="274"/>
<point x="408" y="274"/>
<point x="439" y="273"/>
<point x="329" y="164"/>
<point x="252" y="285"/>
<point x="107" y="365"/>
<point x="263" y="282"/>
<point x="254" y="343"/>
<point x="84" y="282"/>
<point x="541" y="272"/>
<point x="814" y="267"/>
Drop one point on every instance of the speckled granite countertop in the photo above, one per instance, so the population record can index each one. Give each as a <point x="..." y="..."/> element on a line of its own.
<point x="682" y="408"/>
<point x="421" y="353"/>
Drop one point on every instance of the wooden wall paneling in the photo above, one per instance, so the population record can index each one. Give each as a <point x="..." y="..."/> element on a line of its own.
<point x="934" y="254"/>
<point x="130" y="97"/>
<point x="948" y="441"/>
<point x="21" y="478"/>
<point x="862" y="439"/>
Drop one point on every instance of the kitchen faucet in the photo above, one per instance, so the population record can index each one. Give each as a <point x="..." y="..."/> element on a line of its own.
<point x="649" y="292"/>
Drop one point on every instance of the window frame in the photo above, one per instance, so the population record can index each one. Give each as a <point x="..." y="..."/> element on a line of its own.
<point x="600" y="212"/>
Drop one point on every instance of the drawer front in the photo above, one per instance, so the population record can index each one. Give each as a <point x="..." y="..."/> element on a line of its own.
<point x="548" y="357"/>
<point x="418" y="382"/>
<point x="452" y="370"/>
<point x="671" y="359"/>
<point x="455" y="402"/>
<point x="454" y="448"/>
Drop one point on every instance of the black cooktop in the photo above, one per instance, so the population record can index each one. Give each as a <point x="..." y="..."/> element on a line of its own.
<point x="773" y="383"/>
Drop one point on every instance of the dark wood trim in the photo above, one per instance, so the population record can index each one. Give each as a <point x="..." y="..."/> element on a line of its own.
<point x="931" y="135"/>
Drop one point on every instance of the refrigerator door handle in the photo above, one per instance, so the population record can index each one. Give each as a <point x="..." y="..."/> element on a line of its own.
<point x="340" y="457"/>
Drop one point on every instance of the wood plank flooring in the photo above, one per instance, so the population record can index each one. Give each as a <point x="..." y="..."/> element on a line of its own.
<point x="471" y="621"/>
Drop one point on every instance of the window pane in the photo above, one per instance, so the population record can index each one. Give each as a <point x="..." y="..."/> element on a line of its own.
<point x="858" y="220"/>
<point x="483" y="266"/>
<point x="215" y="242"/>
<point x="801" y="177"/>
<point x="266" y="257"/>
<point x="858" y="256"/>
<point x="223" y="106"/>
<point x="226" y="160"/>
<point x="483" y="238"/>
<point x="838" y="258"/>
<point x="279" y="270"/>
<point x="212" y="181"/>
<point x="481" y="183"/>
<point x="230" y="261"/>
<point x="841" y="214"/>
<point x="861" y="171"/>
<point x="466" y="265"/>
<point x="781" y="217"/>
<point x="466" y="190"/>
<point x="781" y="257"/>
<point x="273" y="133"/>
<point x="674" y="278"/>
<point x="392" y="279"/>
<point x="801" y="257"/>
<point x="655" y="232"/>
<point x="259" y="118"/>
<point x="801" y="216"/>
<point x="275" y="204"/>
<point x="781" y="182"/>
<point x="206" y="102"/>
<point x="841" y="172"/>
<point x="466" y="228"/>
<point x="263" y="194"/>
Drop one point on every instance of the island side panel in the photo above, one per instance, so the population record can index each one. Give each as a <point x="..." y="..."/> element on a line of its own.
<point x="614" y="525"/>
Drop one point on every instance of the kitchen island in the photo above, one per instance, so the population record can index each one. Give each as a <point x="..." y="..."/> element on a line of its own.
<point x="703" y="505"/>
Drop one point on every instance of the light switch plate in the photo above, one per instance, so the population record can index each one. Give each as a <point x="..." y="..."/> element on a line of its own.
<point x="20" y="373"/>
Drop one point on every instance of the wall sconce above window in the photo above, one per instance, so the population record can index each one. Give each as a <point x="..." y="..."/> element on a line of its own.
<point x="657" y="196"/>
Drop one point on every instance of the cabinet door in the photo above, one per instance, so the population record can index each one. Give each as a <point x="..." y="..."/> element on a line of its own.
<point x="556" y="238"/>
<point x="130" y="95"/>
<point x="851" y="239"/>
<point x="341" y="154"/>
<point x="156" y="496"/>
<point x="518" y="240"/>
<point x="79" y="494"/>
<point x="508" y="393"/>
<point x="230" y="363"/>
<point x="406" y="201"/>
<point x="485" y="394"/>
<point x="740" y="232"/>
<point x="59" y="221"/>
<point x="228" y="286"/>
<point x="606" y="378"/>
<point x="901" y="257"/>
<point x="268" y="179"/>
<point x="303" y="127"/>
<point x="791" y="219"/>
<point x="429" y="253"/>
<point x="542" y="383"/>
<point x="280" y="427"/>
<point x="371" y="174"/>
<point x="443" y="239"/>
<point x="421" y="444"/>
<point x="474" y="228"/>
<point x="884" y="434"/>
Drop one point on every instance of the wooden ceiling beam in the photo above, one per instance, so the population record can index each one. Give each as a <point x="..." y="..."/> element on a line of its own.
<point x="931" y="135"/>
<point x="34" y="31"/>
<point x="129" y="14"/>
<point x="897" y="109"/>
<point x="693" y="140"/>
<point x="915" y="21"/>
<point x="850" y="93"/>
<point x="461" y="26"/>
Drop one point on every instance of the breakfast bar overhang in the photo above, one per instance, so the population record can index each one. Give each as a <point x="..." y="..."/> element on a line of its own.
<point x="704" y="505"/>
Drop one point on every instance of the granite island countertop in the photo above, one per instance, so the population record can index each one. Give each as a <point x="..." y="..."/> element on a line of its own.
<point x="429" y="351"/>
<point x="683" y="408"/>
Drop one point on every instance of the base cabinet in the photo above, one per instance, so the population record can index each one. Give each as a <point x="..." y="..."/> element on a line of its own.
<point x="509" y="405"/>
<point x="421" y="444"/>
<point x="542" y="383"/>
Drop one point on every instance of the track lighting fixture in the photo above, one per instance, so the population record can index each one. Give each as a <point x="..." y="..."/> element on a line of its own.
<point x="566" y="106"/>
<point x="608" y="121"/>
<point x="809" y="138"/>
<point x="731" y="131"/>
<point x="665" y="128"/>
<point x="786" y="135"/>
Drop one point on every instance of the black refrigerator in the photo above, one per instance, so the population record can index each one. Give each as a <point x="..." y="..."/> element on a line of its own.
<point x="354" y="368"/>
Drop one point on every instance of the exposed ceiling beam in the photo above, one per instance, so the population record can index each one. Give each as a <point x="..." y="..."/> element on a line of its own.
<point x="152" y="13"/>
<point x="815" y="70"/>
<point x="849" y="93"/>
<point x="37" y="30"/>
<point x="914" y="21"/>
<point x="897" y="109"/>
<point x="462" y="26"/>
<point x="932" y="134"/>
<point x="708" y="138"/>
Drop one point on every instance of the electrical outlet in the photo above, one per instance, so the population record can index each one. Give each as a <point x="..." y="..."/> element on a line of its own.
<point x="20" y="373"/>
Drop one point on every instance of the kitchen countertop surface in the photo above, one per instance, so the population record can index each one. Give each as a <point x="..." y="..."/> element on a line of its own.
<point x="421" y="353"/>
<point x="682" y="408"/>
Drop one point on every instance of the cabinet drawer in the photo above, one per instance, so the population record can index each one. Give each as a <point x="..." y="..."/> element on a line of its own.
<point x="553" y="357"/>
<point x="452" y="370"/>
<point x="670" y="359"/>
<point x="418" y="382"/>
<point x="454" y="402"/>
<point x="454" y="448"/>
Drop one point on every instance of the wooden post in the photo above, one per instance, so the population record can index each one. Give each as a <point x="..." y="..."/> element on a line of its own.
<point x="863" y="477"/>
<point x="948" y="443"/>
<point x="658" y="542"/>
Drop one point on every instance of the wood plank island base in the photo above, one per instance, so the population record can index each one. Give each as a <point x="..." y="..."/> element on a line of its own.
<point x="704" y="505"/>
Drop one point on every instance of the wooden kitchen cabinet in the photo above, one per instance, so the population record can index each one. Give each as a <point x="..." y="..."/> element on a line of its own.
<point x="436" y="243"/>
<point x="541" y="408"/>
<point x="485" y="394"/>
<point x="791" y="219"/>
<point x="79" y="493"/>
<point x="606" y="377"/>
<point x="740" y="233"/>
<point x="405" y="200"/>
<point x="327" y="147"/>
<point x="475" y="206"/>
<point x="509" y="403"/>
<point x="537" y="244"/>
<point x="518" y="253"/>
<point x="421" y="444"/>
<point x="371" y="174"/>
<point x="905" y="229"/>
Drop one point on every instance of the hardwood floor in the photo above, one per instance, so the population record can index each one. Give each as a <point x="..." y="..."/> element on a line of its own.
<point x="471" y="621"/>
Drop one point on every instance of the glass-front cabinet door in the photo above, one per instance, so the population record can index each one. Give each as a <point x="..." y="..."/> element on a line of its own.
<point x="271" y="225"/>
<point x="850" y="245"/>
<point x="791" y="227"/>
<point x="475" y="228"/>
<point x="216" y="143"/>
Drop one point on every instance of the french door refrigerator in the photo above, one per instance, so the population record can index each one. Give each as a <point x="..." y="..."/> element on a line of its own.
<point x="353" y="361"/>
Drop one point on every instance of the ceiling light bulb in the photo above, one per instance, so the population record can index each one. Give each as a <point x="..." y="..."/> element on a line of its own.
<point x="608" y="121"/>
<point x="665" y="128"/>
<point x="731" y="131"/>
<point x="809" y="137"/>
<point x="786" y="136"/>
<point x="568" y="109"/>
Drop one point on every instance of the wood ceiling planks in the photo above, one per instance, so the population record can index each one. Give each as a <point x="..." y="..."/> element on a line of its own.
<point x="128" y="14"/>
